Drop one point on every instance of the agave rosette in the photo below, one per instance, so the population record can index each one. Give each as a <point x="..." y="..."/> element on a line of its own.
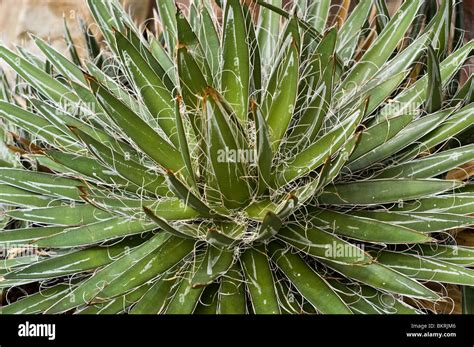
<point x="262" y="162"/>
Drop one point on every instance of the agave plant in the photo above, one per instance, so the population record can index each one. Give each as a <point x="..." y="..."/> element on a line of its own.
<point x="243" y="158"/>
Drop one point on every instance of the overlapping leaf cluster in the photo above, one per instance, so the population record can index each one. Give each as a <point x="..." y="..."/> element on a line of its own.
<point x="244" y="159"/>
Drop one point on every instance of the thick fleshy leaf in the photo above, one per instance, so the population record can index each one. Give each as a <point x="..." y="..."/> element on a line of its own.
<point x="461" y="204"/>
<point x="49" y="164"/>
<point x="350" y="31"/>
<point x="75" y="262"/>
<point x="87" y="104"/>
<point x="114" y="88"/>
<point x="135" y="180"/>
<point x="34" y="59"/>
<point x="209" y="300"/>
<point x="411" y="133"/>
<point x="303" y="194"/>
<point x="232" y="292"/>
<point x="459" y="255"/>
<point x="210" y="40"/>
<point x="260" y="282"/>
<point x="467" y="300"/>
<point x="36" y="126"/>
<point x="384" y="191"/>
<point x="382" y="48"/>
<point x="185" y="298"/>
<point x="257" y="210"/>
<point x="268" y="29"/>
<point x="102" y="14"/>
<point x="255" y="56"/>
<point x="93" y="233"/>
<point x="63" y="121"/>
<point x="164" y="225"/>
<point x="88" y="289"/>
<point x="309" y="125"/>
<point x="27" y="235"/>
<point x="264" y="150"/>
<point x="270" y="226"/>
<point x="318" y="67"/>
<point x="357" y="302"/>
<point x="38" y="302"/>
<point x="186" y="196"/>
<point x="120" y="304"/>
<point x="167" y="11"/>
<point x="366" y="229"/>
<point x="280" y="100"/>
<point x="332" y="168"/>
<point x="12" y="196"/>
<point x="125" y="165"/>
<point x="432" y="165"/>
<point x="60" y="62"/>
<point x="224" y="151"/>
<point x="5" y="88"/>
<point x="423" y="222"/>
<point x="290" y="301"/>
<point x="39" y="79"/>
<point x="183" y="143"/>
<point x="93" y="47"/>
<point x="384" y="278"/>
<point x="188" y="39"/>
<point x="149" y="141"/>
<point x="156" y="298"/>
<point x="18" y="262"/>
<point x="318" y="152"/>
<point x="465" y="94"/>
<point x="427" y="269"/>
<point x="309" y="283"/>
<point x="378" y="134"/>
<point x="287" y="206"/>
<point x="453" y="125"/>
<point x="366" y="300"/>
<point x="412" y="97"/>
<point x="321" y="244"/>
<point x="163" y="57"/>
<point x="375" y="94"/>
<point x="383" y="16"/>
<point x="68" y="215"/>
<point x="216" y="262"/>
<point x="219" y="239"/>
<point x="169" y="209"/>
<point x="318" y="12"/>
<point x="157" y="98"/>
<point x="166" y="256"/>
<point x="70" y="43"/>
<point x="434" y="94"/>
<point x="236" y="64"/>
<point x="91" y="169"/>
<point x="192" y="81"/>
<point x="441" y="26"/>
<point x="399" y="65"/>
<point x="42" y="183"/>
